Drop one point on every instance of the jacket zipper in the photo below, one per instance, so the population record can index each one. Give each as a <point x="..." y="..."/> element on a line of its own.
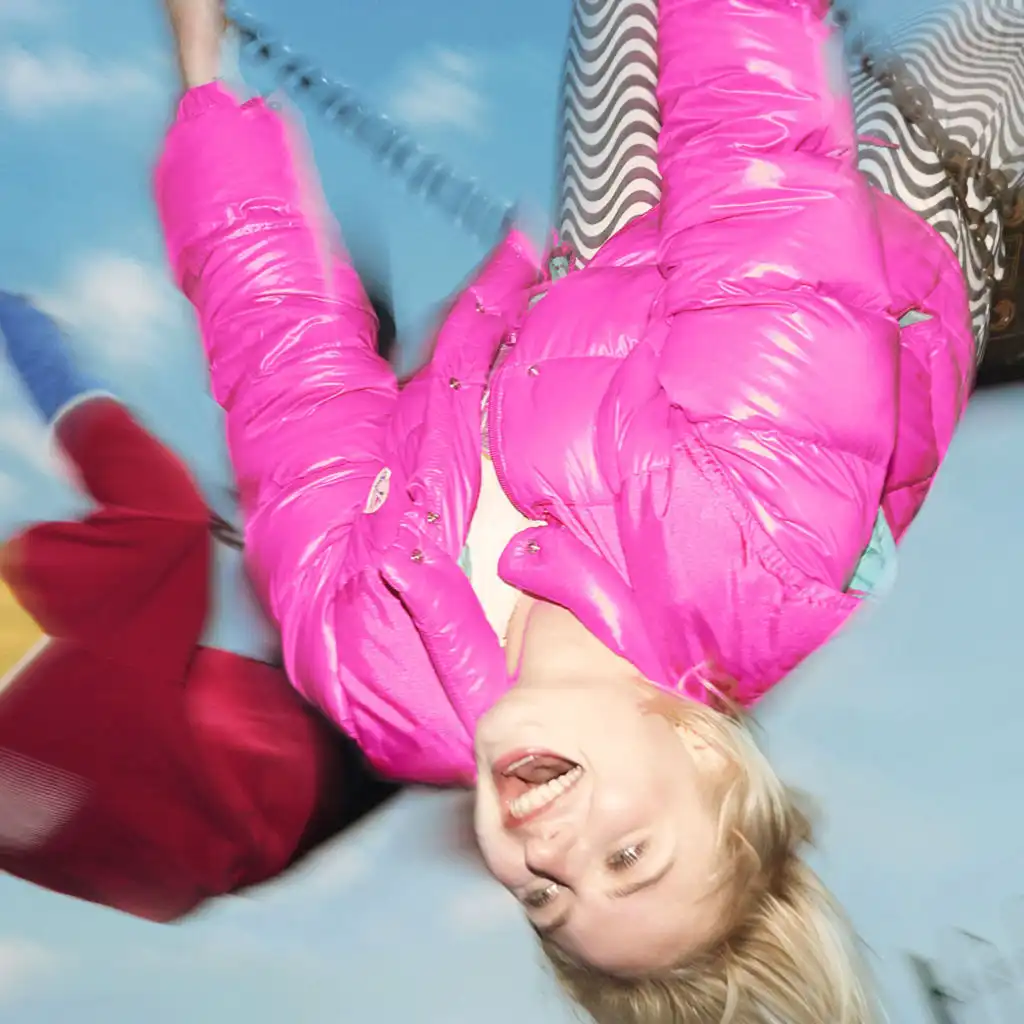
<point x="492" y="449"/>
<point x="539" y="290"/>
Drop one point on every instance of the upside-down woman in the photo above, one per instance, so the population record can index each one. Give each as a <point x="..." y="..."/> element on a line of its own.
<point x="667" y="467"/>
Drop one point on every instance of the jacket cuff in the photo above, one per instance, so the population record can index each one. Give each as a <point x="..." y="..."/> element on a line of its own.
<point x="211" y="96"/>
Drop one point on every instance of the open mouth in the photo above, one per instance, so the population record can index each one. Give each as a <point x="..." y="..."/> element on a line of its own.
<point x="529" y="783"/>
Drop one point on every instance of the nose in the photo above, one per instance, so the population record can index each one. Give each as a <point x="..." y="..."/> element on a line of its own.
<point x="547" y="853"/>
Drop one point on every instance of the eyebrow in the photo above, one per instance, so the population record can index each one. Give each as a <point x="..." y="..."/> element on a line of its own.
<point x="644" y="883"/>
<point x="618" y="894"/>
<point x="550" y="929"/>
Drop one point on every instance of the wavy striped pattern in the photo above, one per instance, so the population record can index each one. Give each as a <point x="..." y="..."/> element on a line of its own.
<point x="608" y="170"/>
<point x="970" y="57"/>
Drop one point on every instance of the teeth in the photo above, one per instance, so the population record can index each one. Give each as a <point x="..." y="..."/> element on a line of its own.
<point x="541" y="796"/>
<point x="519" y="764"/>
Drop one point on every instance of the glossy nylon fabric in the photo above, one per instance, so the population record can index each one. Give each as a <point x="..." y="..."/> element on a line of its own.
<point x="707" y="418"/>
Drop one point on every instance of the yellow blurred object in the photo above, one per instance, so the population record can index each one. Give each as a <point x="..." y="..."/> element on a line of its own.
<point x="18" y="632"/>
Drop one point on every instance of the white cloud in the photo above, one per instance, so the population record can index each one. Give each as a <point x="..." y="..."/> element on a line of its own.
<point x="29" y="460"/>
<point x="32" y="443"/>
<point x="21" y="963"/>
<point x="440" y="91"/>
<point x="123" y="306"/>
<point x="34" y="84"/>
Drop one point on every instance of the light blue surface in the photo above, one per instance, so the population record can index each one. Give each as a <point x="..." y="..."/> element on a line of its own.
<point x="237" y="622"/>
<point x="906" y="729"/>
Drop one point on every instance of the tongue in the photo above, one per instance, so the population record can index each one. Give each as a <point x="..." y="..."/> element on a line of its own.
<point x="543" y="769"/>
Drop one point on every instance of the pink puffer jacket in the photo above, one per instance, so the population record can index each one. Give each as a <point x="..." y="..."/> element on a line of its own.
<point x="706" y="419"/>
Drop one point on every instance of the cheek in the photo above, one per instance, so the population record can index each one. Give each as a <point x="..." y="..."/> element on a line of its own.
<point x="626" y="802"/>
<point x="499" y="851"/>
<point x="642" y="767"/>
<point x="639" y="793"/>
<point x="503" y="859"/>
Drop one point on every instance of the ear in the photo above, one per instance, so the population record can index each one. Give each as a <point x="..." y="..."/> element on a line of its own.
<point x="706" y="754"/>
<point x="692" y="727"/>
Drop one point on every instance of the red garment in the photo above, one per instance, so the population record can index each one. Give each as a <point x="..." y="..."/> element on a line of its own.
<point x="138" y="770"/>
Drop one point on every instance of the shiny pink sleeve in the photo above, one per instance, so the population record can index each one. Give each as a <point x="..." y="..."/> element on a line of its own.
<point x="290" y="338"/>
<point x="781" y="348"/>
<point x="314" y="418"/>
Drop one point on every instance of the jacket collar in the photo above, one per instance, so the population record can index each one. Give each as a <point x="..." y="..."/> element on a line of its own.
<point x="550" y="563"/>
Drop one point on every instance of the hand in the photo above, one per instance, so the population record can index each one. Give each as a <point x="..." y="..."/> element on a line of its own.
<point x="198" y="27"/>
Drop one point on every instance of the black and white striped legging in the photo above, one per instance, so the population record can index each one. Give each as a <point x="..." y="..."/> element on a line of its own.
<point x="970" y="57"/>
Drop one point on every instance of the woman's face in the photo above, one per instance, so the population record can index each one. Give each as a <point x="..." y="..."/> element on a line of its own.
<point x="593" y="812"/>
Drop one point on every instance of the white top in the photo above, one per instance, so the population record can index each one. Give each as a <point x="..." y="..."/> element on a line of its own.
<point x="495" y="522"/>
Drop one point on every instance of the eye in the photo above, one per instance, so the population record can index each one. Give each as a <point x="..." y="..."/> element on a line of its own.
<point x="627" y="857"/>
<point x="540" y="897"/>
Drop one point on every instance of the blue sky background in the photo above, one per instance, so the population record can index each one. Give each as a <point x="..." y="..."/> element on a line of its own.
<point x="907" y="729"/>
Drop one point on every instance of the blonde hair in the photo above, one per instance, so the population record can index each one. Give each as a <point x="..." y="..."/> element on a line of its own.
<point x="786" y="953"/>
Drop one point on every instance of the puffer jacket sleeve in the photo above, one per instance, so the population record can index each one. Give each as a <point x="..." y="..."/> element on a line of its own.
<point x="937" y="356"/>
<point x="290" y="338"/>
<point x="780" y="348"/>
<point x="319" y="435"/>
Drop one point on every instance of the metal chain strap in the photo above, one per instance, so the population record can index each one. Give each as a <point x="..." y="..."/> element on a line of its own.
<point x="227" y="533"/>
<point x="424" y="173"/>
<point x="962" y="167"/>
<point x="486" y="218"/>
